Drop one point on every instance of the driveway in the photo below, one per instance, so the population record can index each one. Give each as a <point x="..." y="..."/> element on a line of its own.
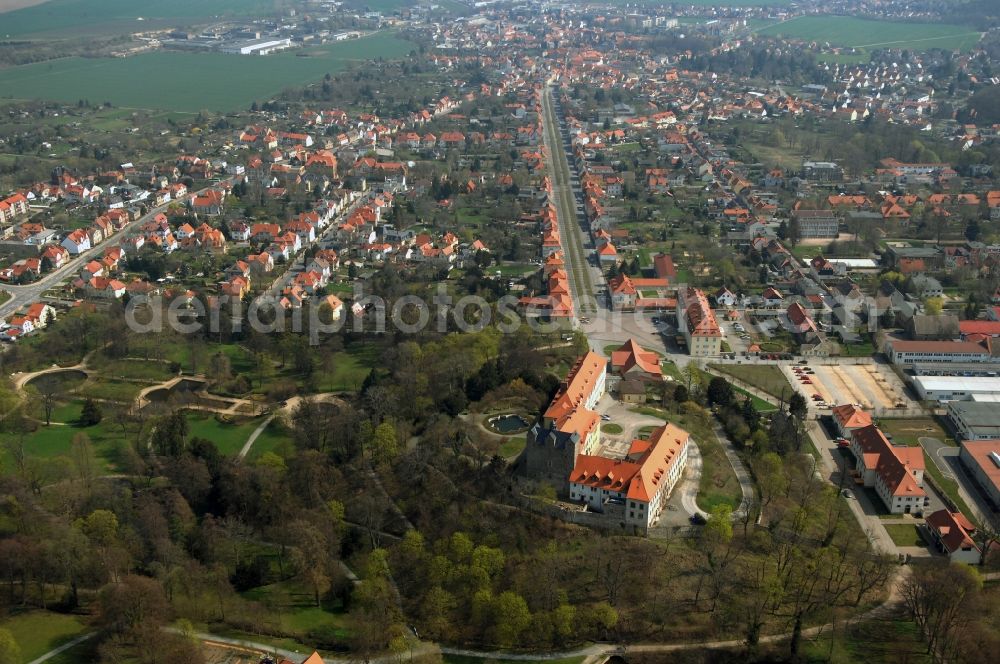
<point x="832" y="461"/>
<point x="951" y="467"/>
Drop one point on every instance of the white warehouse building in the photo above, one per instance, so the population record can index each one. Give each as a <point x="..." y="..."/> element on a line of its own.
<point x="957" y="388"/>
<point x="258" y="47"/>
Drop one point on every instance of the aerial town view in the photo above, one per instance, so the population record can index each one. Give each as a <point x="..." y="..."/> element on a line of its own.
<point x="499" y="331"/>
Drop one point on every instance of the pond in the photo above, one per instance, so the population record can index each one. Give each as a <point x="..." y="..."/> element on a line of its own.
<point x="508" y="424"/>
<point x="185" y="386"/>
<point x="58" y="381"/>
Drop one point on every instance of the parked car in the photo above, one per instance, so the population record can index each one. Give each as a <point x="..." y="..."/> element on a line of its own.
<point x="698" y="520"/>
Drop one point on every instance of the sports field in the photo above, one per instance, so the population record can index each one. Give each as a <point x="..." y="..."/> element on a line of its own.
<point x="864" y="33"/>
<point x="81" y="15"/>
<point x="190" y="81"/>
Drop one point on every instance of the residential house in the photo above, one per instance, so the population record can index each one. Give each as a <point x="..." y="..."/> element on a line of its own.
<point x="104" y="288"/>
<point x="77" y="242"/>
<point x="954" y="536"/>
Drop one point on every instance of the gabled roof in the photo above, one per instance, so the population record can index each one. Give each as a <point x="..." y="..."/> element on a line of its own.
<point x="632" y="355"/>
<point x="953" y="529"/>
<point x="895" y="465"/>
<point x="850" y="416"/>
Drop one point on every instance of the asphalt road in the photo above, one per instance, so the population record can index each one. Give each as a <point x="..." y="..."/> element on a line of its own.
<point x="570" y="231"/>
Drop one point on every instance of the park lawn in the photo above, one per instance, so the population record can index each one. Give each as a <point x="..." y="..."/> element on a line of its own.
<point x="274" y="438"/>
<point x="718" y="480"/>
<point x="179" y="351"/>
<point x="56" y="441"/>
<point x="905" y="534"/>
<point x="135" y="369"/>
<point x="513" y="269"/>
<point x="758" y="403"/>
<point x="150" y="80"/>
<point x="512" y="446"/>
<point x="228" y="438"/>
<point x="350" y="368"/>
<point x="909" y="431"/>
<point x="876" y="641"/>
<point x="38" y="632"/>
<point x="68" y="412"/>
<point x="670" y="369"/>
<point x="765" y="377"/>
<point x="772" y="155"/>
<point x="948" y="486"/>
<point x="865" y="349"/>
<point x="858" y="32"/>
<point x="611" y="427"/>
<point x="111" y="390"/>
<point x="296" y="611"/>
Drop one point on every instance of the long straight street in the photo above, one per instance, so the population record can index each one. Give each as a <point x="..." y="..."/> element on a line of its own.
<point x="570" y="223"/>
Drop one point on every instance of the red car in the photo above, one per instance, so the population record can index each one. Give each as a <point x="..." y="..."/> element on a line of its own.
<point x="806" y="381"/>
<point x="843" y="442"/>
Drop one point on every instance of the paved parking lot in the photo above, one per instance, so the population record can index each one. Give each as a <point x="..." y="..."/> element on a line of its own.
<point x="871" y="386"/>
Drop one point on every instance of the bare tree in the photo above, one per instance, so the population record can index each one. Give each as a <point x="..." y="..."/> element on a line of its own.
<point x="934" y="594"/>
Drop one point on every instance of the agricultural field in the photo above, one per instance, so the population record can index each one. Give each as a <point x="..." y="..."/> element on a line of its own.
<point x="190" y="81"/>
<point x="66" y="17"/>
<point x="868" y="34"/>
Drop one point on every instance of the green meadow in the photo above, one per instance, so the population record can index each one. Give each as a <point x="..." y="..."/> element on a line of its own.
<point x="864" y="33"/>
<point x="66" y="17"/>
<point x="190" y="81"/>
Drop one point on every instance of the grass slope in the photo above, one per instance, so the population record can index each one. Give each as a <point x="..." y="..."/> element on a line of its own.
<point x="38" y="632"/>
<point x="189" y="81"/>
<point x="864" y="33"/>
<point x="765" y="377"/>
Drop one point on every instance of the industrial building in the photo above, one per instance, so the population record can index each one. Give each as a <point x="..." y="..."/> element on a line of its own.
<point x="956" y="388"/>
<point x="257" y="46"/>
<point x="975" y="420"/>
<point x="982" y="459"/>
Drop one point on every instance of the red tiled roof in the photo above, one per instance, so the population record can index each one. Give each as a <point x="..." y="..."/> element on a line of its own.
<point x="953" y="529"/>
<point x="632" y="355"/>
<point x="895" y="465"/>
<point x="638" y="477"/>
